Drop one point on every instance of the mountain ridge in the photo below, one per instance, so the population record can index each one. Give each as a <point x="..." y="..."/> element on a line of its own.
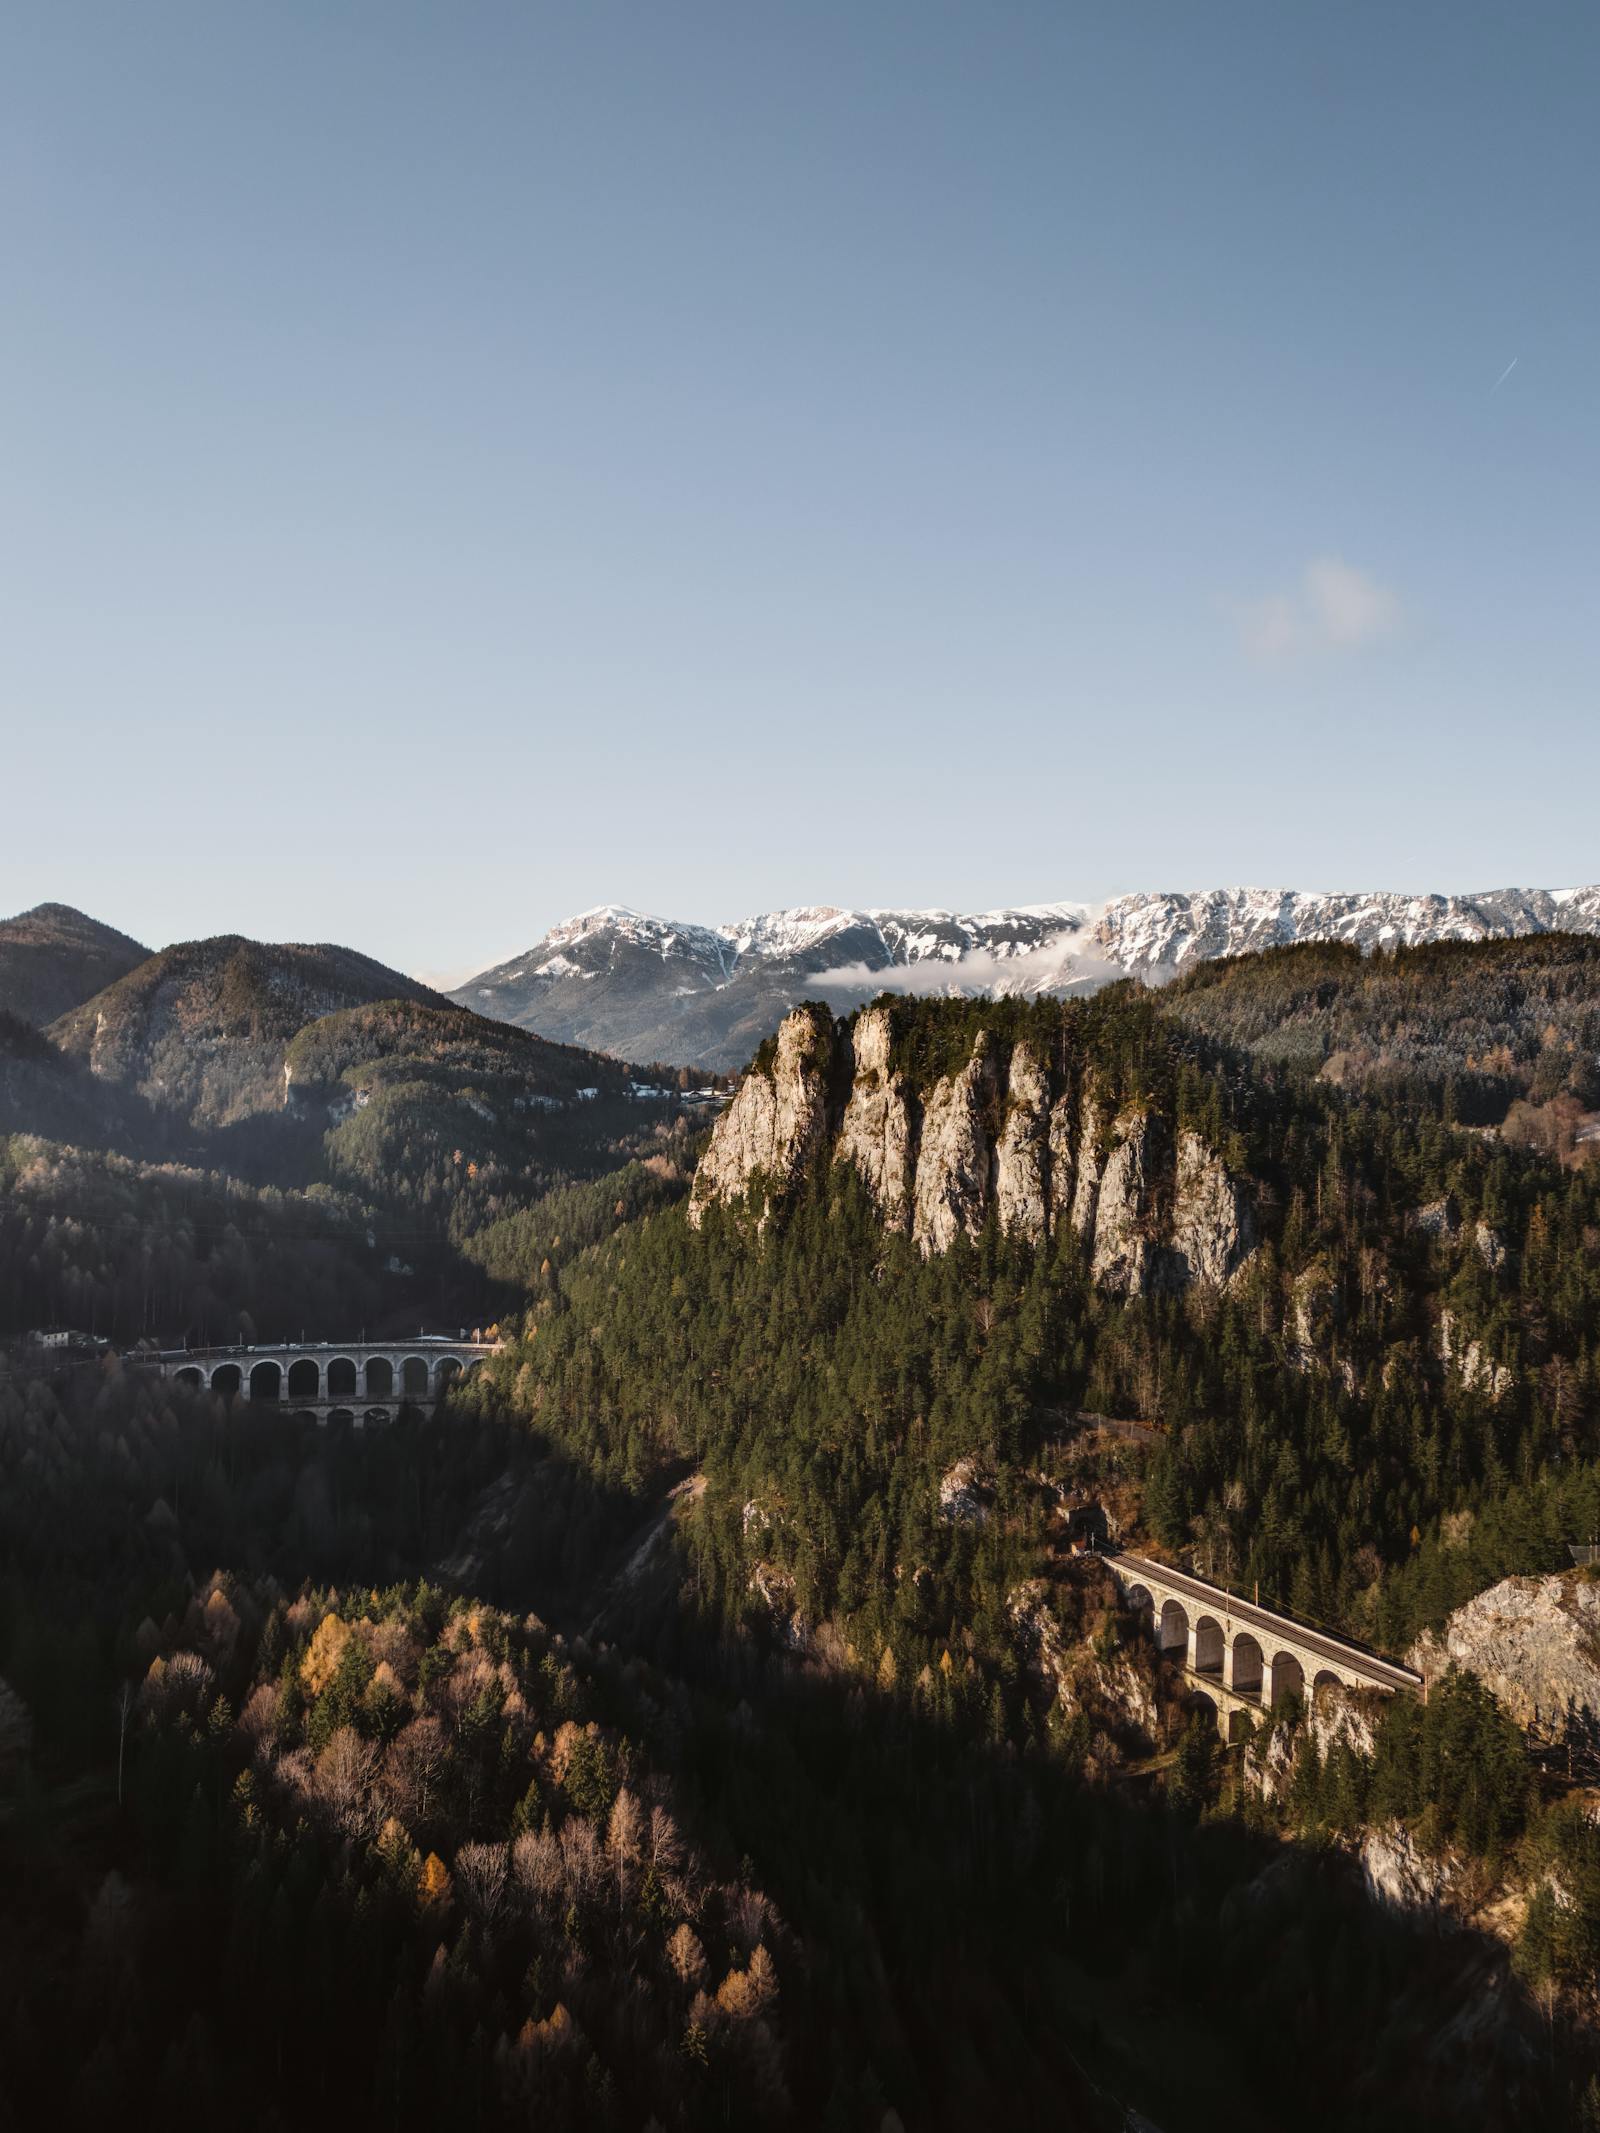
<point x="54" y="957"/>
<point x="621" y="980"/>
<point x="201" y="1028"/>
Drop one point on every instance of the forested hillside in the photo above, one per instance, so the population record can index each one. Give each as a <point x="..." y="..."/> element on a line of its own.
<point x="200" y="1030"/>
<point x="1408" y="1339"/>
<point x="305" y="1837"/>
<point x="222" y="1145"/>
<point x="711" y="1715"/>
<point x="52" y="958"/>
<point x="1471" y="1028"/>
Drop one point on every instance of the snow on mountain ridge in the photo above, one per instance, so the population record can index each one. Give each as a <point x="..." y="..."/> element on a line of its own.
<point x="621" y="980"/>
<point x="1149" y="933"/>
<point x="1146" y="931"/>
<point x="664" y="937"/>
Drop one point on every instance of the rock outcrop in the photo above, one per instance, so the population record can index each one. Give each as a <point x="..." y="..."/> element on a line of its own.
<point x="776" y="1123"/>
<point x="1114" y="1686"/>
<point x="1534" y="1641"/>
<point x="966" y="1493"/>
<point x="774" y="1588"/>
<point x="1333" y="1718"/>
<point x="1086" y="1191"/>
<point x="1438" y="1219"/>
<point x="1121" y="1259"/>
<point x="1022" y="1155"/>
<point x="992" y="1136"/>
<point x="1212" y="1230"/>
<point x="1399" y="1873"/>
<point x="1471" y="1362"/>
<point x="876" y="1133"/>
<point x="1063" y="1160"/>
<point x="1313" y="1316"/>
<point x="954" y="1160"/>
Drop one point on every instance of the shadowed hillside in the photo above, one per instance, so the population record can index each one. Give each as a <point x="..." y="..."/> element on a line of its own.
<point x="53" y="957"/>
<point x="201" y="1029"/>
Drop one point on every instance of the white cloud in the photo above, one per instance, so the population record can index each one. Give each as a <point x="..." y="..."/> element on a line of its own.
<point x="1056" y="965"/>
<point x="1334" y="608"/>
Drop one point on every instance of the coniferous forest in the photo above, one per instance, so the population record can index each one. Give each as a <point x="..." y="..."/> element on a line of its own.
<point x="709" y="1715"/>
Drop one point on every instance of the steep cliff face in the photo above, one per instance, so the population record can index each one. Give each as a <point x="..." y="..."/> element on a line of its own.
<point x="1212" y="1229"/>
<point x="777" y="1122"/>
<point x="1121" y="1259"/>
<point x="991" y="1135"/>
<point x="1022" y="1155"/>
<point x="1535" y="1641"/>
<point x="954" y="1160"/>
<point x="877" y="1133"/>
<point x="1062" y="1167"/>
<point x="1086" y="1191"/>
<point x="1335" y="1717"/>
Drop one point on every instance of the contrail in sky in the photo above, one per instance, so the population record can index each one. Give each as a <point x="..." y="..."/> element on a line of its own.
<point x="1510" y="367"/>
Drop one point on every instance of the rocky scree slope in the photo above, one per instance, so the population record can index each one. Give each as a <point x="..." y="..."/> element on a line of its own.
<point x="647" y="987"/>
<point x="1041" y="1148"/>
<point x="52" y="958"/>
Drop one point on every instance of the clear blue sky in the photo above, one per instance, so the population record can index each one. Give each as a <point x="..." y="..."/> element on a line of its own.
<point x="463" y="463"/>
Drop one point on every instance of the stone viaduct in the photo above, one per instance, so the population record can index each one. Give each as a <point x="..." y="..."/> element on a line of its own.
<point x="332" y="1381"/>
<point x="1242" y="1657"/>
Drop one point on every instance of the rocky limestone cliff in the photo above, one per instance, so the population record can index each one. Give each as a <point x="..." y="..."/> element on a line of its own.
<point x="1121" y="1257"/>
<point x="1062" y="1160"/>
<point x="1117" y="1688"/>
<point x="1212" y="1229"/>
<point x="775" y="1124"/>
<point x="954" y="1161"/>
<point x="1022" y="1154"/>
<point x="1534" y="1641"/>
<point x="990" y="1136"/>
<point x="876" y="1132"/>
<point x="1086" y="1191"/>
<point x="1399" y="1873"/>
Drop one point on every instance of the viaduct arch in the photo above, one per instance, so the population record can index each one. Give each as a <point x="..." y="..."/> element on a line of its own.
<point x="1239" y="1656"/>
<point x="354" y="1382"/>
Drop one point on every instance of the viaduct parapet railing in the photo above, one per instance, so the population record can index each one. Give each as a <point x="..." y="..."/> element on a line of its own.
<point x="355" y="1381"/>
<point x="1240" y="1655"/>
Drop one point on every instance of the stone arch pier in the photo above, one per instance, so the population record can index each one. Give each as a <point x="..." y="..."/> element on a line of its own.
<point x="354" y="1382"/>
<point x="1239" y="1656"/>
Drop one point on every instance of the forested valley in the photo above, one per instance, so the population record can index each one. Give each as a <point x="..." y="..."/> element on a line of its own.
<point x="709" y="1716"/>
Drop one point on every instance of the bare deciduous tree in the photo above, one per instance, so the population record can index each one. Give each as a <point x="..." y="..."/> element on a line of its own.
<point x="482" y="1871"/>
<point x="413" y="1767"/>
<point x="536" y="1862"/>
<point x="346" y="1783"/>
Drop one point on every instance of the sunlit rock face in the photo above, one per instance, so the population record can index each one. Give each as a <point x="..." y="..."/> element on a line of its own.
<point x="876" y="1133"/>
<point x="1022" y="1155"/>
<point x="1535" y="1641"/>
<point x="954" y="1158"/>
<point x="776" y="1123"/>
<point x="993" y="1137"/>
<point x="1212" y="1229"/>
<point x="1121" y="1258"/>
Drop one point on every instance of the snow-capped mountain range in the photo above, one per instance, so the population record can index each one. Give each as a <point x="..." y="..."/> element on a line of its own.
<point x="652" y="988"/>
